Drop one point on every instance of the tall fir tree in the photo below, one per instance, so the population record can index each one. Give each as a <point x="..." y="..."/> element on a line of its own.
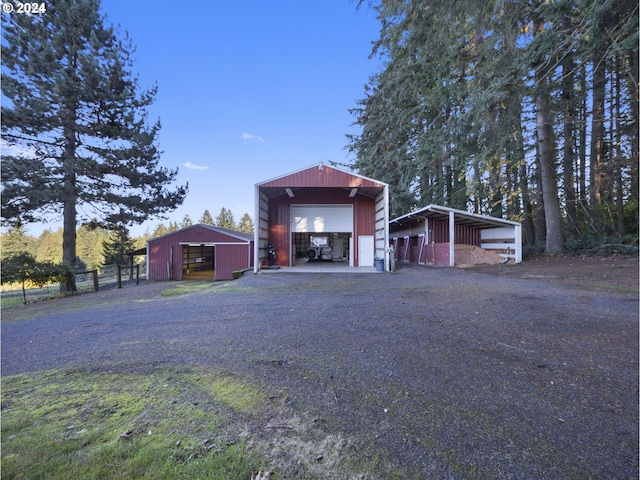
<point x="50" y="247"/>
<point x="245" y="224"/>
<point x="15" y="242"/>
<point x="225" y="219"/>
<point x="118" y="247"/>
<point x="524" y="108"/>
<point x="206" y="218"/>
<point x="79" y="116"/>
<point x="186" y="221"/>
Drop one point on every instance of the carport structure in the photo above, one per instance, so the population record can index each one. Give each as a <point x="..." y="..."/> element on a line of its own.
<point x="321" y="213"/>
<point x="429" y="235"/>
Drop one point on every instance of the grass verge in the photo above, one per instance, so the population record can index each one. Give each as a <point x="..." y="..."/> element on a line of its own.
<point x="115" y="423"/>
<point x="187" y="287"/>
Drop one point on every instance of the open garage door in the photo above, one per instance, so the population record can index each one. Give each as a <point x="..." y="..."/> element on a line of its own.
<point x="198" y="261"/>
<point x="321" y="218"/>
<point x="330" y="224"/>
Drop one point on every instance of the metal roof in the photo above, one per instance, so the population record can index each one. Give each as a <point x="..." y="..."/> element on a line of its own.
<point x="245" y="237"/>
<point x="460" y="217"/>
<point x="321" y="176"/>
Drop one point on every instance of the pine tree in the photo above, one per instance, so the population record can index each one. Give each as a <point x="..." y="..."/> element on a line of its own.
<point x="159" y="231"/>
<point x="118" y="247"/>
<point x="186" y="221"/>
<point x="78" y="113"/>
<point x="206" y="218"/>
<point x="245" y="224"/>
<point x="90" y="246"/>
<point x="16" y="242"/>
<point x="225" y="219"/>
<point x="49" y="247"/>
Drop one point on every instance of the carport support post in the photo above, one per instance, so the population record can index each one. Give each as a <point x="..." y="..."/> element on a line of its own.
<point x="518" y="235"/>
<point x="452" y="240"/>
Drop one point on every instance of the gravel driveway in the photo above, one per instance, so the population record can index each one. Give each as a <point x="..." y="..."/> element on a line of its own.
<point x="441" y="373"/>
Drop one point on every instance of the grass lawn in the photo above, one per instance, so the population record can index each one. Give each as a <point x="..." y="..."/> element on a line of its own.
<point x="114" y="423"/>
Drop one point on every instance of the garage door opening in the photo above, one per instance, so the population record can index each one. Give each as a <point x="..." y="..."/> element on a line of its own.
<point x="198" y="262"/>
<point x="321" y="233"/>
<point x="320" y="247"/>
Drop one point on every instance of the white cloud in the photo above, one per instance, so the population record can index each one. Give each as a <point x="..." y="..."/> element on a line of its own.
<point x="193" y="166"/>
<point x="251" y="136"/>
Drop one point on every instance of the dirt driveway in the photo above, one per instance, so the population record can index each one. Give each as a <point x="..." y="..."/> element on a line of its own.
<point x="528" y="371"/>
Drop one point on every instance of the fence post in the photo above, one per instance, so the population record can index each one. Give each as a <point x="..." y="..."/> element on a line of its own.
<point x="119" y="277"/>
<point x="95" y="280"/>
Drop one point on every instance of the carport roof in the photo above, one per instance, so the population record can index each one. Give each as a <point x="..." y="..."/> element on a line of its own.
<point x="321" y="176"/>
<point x="460" y="217"/>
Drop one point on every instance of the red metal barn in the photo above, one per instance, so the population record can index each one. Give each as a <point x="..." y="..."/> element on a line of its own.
<point x="200" y="251"/>
<point x="321" y="213"/>
<point x="430" y="235"/>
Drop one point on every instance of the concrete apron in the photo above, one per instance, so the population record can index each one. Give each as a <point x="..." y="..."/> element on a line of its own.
<point x="320" y="267"/>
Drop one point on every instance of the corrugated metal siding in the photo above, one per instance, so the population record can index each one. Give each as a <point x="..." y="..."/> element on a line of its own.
<point x="441" y="254"/>
<point x="158" y="257"/>
<point x="280" y="209"/>
<point x="365" y="222"/>
<point x="262" y="226"/>
<point x="230" y="258"/>
<point x="161" y="250"/>
<point x="381" y="227"/>
<point x="314" y="177"/>
<point x="414" y="248"/>
<point x="463" y="234"/>
<point x="417" y="247"/>
<point x="279" y="229"/>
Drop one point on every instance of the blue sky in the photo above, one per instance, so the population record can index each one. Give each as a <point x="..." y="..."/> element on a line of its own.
<point x="248" y="90"/>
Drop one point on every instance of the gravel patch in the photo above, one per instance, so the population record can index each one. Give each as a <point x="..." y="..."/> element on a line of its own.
<point x="433" y="373"/>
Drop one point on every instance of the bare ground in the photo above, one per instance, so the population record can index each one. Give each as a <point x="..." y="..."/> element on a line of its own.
<point x="514" y="371"/>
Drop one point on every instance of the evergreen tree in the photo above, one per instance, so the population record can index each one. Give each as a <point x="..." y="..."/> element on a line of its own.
<point x="16" y="242"/>
<point x="160" y="230"/>
<point x="118" y="247"/>
<point x="49" y="247"/>
<point x="245" y="224"/>
<point x="78" y="113"/>
<point x="90" y="246"/>
<point x="524" y="108"/>
<point x="206" y="218"/>
<point x="225" y="219"/>
<point x="186" y="222"/>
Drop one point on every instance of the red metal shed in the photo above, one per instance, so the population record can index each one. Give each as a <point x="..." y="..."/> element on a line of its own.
<point x="200" y="251"/>
<point x="321" y="210"/>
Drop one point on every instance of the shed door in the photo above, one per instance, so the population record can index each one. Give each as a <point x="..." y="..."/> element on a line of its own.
<point x="322" y="218"/>
<point x="365" y="251"/>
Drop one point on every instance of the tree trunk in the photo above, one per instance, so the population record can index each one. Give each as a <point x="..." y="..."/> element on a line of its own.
<point x="596" y="179"/>
<point x="69" y="213"/>
<point x="568" y="127"/>
<point x="544" y="129"/>
<point x="616" y="152"/>
<point x="540" y="231"/>
<point x="582" y="155"/>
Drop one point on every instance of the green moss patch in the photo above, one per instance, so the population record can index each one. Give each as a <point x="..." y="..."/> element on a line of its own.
<point x="112" y="423"/>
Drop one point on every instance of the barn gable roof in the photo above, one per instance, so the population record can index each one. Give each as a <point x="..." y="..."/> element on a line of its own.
<point x="241" y="236"/>
<point x="323" y="176"/>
